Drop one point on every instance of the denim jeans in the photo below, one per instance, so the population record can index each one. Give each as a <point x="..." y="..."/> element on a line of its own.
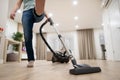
<point x="28" y="19"/>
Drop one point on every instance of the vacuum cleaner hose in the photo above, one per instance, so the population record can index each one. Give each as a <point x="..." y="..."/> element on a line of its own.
<point x="40" y="30"/>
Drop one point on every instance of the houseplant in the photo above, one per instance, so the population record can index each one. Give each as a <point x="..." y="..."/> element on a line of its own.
<point x="17" y="36"/>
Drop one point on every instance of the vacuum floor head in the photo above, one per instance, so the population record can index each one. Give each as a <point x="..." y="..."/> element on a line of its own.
<point x="84" y="70"/>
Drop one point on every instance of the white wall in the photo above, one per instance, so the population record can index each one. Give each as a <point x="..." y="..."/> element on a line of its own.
<point x="11" y="27"/>
<point x="3" y="20"/>
<point x="99" y="39"/>
<point x="3" y="12"/>
<point x="111" y="20"/>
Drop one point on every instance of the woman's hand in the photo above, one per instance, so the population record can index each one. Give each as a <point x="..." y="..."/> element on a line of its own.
<point x="12" y="15"/>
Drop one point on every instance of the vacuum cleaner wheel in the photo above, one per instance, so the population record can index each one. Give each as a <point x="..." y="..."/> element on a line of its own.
<point x="84" y="70"/>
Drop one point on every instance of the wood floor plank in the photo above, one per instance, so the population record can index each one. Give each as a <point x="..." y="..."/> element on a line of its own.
<point x="46" y="70"/>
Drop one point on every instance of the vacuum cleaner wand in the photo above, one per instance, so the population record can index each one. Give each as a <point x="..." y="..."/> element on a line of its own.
<point x="78" y="69"/>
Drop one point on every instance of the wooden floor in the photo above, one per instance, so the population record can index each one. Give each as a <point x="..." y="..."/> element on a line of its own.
<point x="46" y="70"/>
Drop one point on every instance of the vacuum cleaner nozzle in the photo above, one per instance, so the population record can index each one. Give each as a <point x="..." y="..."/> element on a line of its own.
<point x="84" y="70"/>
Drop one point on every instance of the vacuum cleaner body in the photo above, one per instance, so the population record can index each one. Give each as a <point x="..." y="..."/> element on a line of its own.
<point x="67" y="55"/>
<point x="60" y="57"/>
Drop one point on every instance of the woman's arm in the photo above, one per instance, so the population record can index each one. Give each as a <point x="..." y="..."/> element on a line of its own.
<point x="16" y="7"/>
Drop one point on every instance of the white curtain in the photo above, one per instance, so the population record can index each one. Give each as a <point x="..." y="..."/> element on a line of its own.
<point x="86" y="44"/>
<point x="40" y="47"/>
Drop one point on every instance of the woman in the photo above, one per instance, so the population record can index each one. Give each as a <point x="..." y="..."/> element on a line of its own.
<point x="33" y="12"/>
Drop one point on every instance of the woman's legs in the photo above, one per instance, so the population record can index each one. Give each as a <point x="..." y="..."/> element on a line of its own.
<point x="28" y="21"/>
<point x="39" y="6"/>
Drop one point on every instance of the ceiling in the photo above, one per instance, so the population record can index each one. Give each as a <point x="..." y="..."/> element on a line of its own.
<point x="88" y="12"/>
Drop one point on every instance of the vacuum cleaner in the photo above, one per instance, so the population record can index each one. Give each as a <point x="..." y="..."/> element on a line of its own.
<point x="64" y="57"/>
